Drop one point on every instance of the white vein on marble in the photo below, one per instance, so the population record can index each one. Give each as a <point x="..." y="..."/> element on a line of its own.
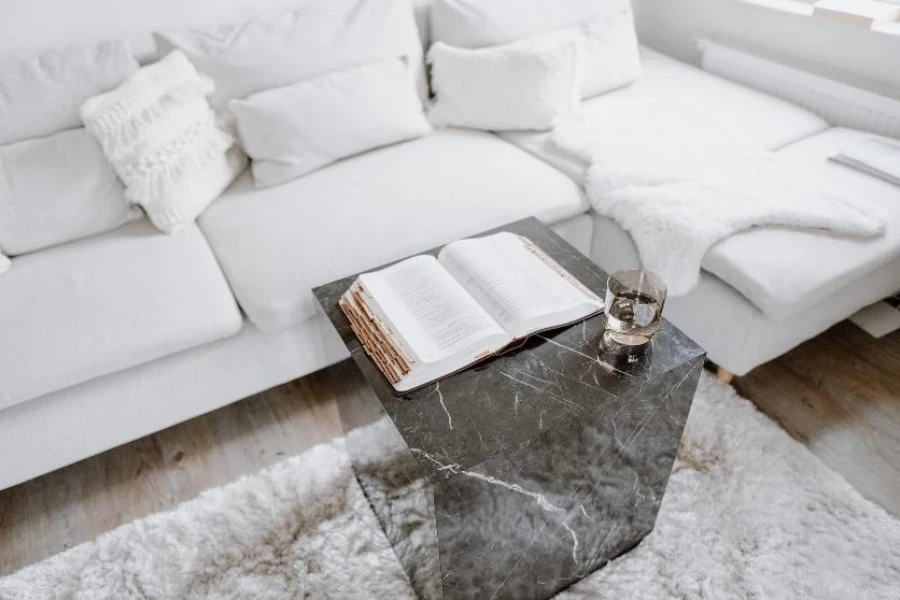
<point x="574" y="542"/>
<point x="551" y="395"/>
<point x="458" y="470"/>
<point x="437" y="389"/>
<point x="595" y="359"/>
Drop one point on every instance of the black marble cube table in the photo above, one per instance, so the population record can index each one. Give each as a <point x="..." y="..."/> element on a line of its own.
<point x="518" y="477"/>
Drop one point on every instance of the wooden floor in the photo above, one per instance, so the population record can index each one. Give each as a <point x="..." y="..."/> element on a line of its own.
<point x="839" y="393"/>
<point x="54" y="512"/>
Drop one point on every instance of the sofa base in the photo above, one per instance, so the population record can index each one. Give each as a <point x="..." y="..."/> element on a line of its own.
<point x="55" y="430"/>
<point x="58" y="429"/>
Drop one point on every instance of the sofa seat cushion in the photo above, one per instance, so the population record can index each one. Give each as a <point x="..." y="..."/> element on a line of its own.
<point x="276" y="244"/>
<point x="764" y="119"/>
<point x="783" y="271"/>
<point x="93" y="307"/>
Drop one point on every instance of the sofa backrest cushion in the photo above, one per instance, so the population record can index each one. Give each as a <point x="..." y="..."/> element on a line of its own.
<point x="480" y="23"/>
<point x="41" y="93"/>
<point x="30" y="26"/>
<point x="606" y="27"/>
<point x="287" y="47"/>
<point x="57" y="189"/>
<point x="422" y="10"/>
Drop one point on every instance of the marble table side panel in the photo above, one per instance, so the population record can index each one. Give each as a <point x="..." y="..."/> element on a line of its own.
<point x="530" y="523"/>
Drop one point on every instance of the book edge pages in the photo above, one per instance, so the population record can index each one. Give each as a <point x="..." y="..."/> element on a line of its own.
<point x="367" y="342"/>
<point x="382" y="332"/>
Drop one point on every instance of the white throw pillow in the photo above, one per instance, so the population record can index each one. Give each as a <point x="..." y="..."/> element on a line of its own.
<point x="5" y="263"/>
<point x="513" y="87"/>
<point x="290" y="131"/>
<point x="40" y="94"/>
<point x="162" y="138"/>
<point x="282" y="48"/>
<point x="58" y="189"/>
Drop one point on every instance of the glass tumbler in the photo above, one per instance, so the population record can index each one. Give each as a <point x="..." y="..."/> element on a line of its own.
<point x="634" y="304"/>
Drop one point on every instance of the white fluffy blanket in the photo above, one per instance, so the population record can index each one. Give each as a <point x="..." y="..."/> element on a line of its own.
<point x="748" y="513"/>
<point x="679" y="179"/>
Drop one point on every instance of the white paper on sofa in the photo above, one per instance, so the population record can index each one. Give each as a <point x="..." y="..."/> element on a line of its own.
<point x="878" y="157"/>
<point x="679" y="179"/>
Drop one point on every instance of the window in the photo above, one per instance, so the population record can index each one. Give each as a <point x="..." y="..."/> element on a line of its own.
<point x="865" y="13"/>
<point x="879" y="15"/>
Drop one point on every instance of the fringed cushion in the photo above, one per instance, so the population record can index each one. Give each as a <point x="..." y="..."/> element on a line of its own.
<point x="164" y="142"/>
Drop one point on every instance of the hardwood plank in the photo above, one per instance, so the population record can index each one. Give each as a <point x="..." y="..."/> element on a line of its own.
<point x="192" y="458"/>
<point x="45" y="516"/>
<point x="839" y="393"/>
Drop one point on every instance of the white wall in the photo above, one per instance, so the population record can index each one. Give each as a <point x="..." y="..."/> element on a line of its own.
<point x="846" y="52"/>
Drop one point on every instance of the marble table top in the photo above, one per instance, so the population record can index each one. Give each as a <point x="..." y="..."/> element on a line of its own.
<point x="503" y="403"/>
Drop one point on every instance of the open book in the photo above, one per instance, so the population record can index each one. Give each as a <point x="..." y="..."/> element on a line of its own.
<point x="425" y="318"/>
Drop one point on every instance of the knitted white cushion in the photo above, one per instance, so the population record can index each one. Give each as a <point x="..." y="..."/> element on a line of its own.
<point x="162" y="138"/>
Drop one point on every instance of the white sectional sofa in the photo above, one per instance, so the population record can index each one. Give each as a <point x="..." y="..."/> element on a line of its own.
<point x="113" y="337"/>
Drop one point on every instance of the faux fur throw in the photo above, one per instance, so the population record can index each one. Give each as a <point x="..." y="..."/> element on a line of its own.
<point x="164" y="142"/>
<point x="679" y="180"/>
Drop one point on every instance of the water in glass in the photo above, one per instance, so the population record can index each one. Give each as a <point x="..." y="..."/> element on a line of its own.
<point x="634" y="304"/>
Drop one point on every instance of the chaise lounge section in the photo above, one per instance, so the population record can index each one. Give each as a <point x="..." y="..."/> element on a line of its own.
<point x="762" y="291"/>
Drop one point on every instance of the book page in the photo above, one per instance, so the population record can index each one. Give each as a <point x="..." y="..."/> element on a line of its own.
<point x="519" y="289"/>
<point x="429" y="309"/>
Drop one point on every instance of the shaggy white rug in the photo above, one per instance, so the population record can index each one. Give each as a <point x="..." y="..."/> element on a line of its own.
<point x="749" y="513"/>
